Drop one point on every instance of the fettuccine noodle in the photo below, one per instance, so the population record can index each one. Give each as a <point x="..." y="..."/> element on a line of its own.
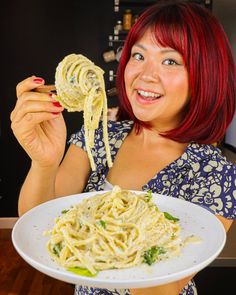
<point x="113" y="230"/>
<point x="80" y="87"/>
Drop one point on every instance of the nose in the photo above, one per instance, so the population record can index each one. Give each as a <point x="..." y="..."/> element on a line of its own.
<point x="150" y="72"/>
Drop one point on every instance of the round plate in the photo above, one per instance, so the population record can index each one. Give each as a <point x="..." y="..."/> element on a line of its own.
<point x="28" y="239"/>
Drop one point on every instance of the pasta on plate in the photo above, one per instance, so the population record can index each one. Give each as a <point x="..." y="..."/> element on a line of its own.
<point x="115" y="229"/>
<point x="80" y="87"/>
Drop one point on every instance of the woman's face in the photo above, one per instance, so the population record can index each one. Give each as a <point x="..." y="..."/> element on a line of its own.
<point x="156" y="83"/>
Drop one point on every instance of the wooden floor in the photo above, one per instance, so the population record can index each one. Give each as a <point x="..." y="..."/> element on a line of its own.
<point x="19" y="278"/>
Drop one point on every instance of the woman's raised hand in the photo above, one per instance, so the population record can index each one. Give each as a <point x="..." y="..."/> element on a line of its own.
<point x="38" y="124"/>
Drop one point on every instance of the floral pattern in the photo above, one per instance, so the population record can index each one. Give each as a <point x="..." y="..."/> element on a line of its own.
<point x="83" y="290"/>
<point x="202" y="175"/>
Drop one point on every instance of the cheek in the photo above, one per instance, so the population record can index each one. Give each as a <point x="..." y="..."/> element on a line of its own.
<point x="127" y="74"/>
<point x="184" y="88"/>
<point x="128" y="79"/>
<point x="130" y="73"/>
<point x="180" y="84"/>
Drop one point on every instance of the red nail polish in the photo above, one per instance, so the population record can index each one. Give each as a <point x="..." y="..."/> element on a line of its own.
<point x="56" y="104"/>
<point x="38" y="80"/>
<point x="55" y="113"/>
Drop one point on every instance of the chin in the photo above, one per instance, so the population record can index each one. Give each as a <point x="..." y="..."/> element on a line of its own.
<point x="143" y="117"/>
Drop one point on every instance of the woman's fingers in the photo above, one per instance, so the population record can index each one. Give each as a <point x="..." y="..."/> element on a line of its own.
<point x="31" y="107"/>
<point x="30" y="120"/>
<point x="37" y="121"/>
<point x="29" y="96"/>
<point x="24" y="93"/>
<point x="34" y="99"/>
<point x="28" y="84"/>
<point x="29" y="126"/>
<point x="34" y="102"/>
<point x="32" y="95"/>
<point x="46" y="88"/>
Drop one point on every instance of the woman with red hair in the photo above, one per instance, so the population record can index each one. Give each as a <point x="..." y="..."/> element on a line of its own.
<point x="176" y="83"/>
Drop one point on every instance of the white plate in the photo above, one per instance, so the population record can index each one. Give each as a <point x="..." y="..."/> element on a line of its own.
<point x="30" y="243"/>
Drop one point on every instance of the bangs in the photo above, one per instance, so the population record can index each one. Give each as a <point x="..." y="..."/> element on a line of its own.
<point x="168" y="27"/>
<point x="170" y="35"/>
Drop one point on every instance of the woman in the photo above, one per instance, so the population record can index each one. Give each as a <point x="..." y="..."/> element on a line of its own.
<point x="176" y="82"/>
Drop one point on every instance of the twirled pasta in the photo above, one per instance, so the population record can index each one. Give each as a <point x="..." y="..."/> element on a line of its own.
<point x="113" y="230"/>
<point x="80" y="87"/>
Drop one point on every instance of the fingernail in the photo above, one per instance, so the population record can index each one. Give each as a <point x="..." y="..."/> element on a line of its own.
<point x="56" y="104"/>
<point x="55" y="113"/>
<point x="38" y="80"/>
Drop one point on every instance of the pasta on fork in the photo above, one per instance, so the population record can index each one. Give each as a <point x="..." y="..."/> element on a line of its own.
<point x="80" y="87"/>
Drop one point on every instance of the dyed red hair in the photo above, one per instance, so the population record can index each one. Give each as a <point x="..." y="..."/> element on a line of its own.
<point x="198" y="36"/>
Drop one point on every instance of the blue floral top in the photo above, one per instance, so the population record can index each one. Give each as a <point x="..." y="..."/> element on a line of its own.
<point x="202" y="175"/>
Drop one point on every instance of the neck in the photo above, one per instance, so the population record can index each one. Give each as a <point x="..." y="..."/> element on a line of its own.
<point x="151" y="137"/>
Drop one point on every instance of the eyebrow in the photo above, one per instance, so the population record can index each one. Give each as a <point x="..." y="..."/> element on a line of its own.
<point x="162" y="50"/>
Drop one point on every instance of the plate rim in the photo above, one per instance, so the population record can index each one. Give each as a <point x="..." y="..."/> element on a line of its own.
<point x="118" y="283"/>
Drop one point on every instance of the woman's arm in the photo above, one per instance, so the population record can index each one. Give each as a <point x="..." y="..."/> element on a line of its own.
<point x="37" y="188"/>
<point x="176" y="287"/>
<point x="45" y="183"/>
<point x="168" y="289"/>
<point x="38" y="125"/>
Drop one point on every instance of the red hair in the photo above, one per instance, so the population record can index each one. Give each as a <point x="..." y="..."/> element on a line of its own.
<point x="198" y="36"/>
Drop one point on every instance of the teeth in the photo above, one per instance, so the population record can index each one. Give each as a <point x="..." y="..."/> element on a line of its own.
<point x="149" y="94"/>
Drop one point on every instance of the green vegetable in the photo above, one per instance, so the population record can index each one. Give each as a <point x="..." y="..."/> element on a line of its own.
<point x="150" y="256"/>
<point x="148" y="196"/>
<point x="102" y="223"/>
<point x="64" y="211"/>
<point x="57" y="249"/>
<point x="170" y="217"/>
<point x="72" y="80"/>
<point x="81" y="271"/>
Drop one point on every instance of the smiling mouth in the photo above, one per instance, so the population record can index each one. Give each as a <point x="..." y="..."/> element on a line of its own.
<point x="149" y="96"/>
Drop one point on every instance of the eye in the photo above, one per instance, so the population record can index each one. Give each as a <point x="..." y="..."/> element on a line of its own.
<point x="170" y="62"/>
<point x="137" y="56"/>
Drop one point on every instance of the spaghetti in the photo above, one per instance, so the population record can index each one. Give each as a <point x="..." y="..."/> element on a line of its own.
<point x="80" y="87"/>
<point x="116" y="229"/>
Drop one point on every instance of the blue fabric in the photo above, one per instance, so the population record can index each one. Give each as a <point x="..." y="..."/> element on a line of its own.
<point x="202" y="175"/>
<point x="83" y="290"/>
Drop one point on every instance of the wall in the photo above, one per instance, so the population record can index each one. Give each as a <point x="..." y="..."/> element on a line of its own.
<point x="225" y="10"/>
<point x="35" y="36"/>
